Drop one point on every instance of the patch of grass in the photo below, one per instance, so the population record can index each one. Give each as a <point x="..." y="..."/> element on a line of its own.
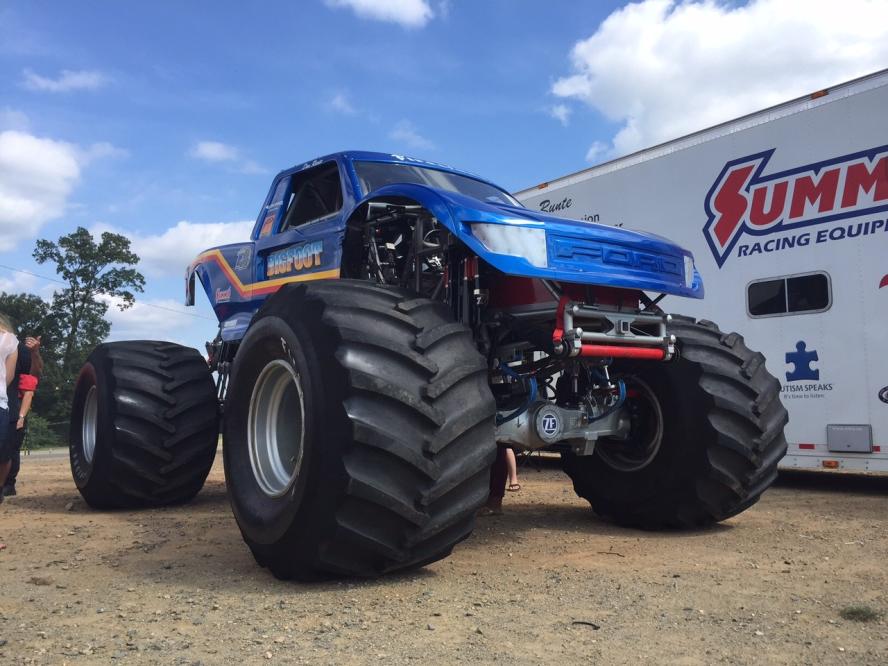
<point x="860" y="614"/>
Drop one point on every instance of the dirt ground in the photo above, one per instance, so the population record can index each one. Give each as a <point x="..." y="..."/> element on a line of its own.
<point x="546" y="582"/>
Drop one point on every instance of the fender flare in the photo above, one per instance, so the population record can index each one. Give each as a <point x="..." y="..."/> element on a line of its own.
<point x="427" y="197"/>
<point x="457" y="218"/>
<point x="200" y="272"/>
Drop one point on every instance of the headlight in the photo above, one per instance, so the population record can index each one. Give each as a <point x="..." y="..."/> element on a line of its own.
<point x="516" y="241"/>
<point x="689" y="271"/>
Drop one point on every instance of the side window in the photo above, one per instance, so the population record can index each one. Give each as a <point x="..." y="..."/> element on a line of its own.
<point x="316" y="193"/>
<point x="269" y="215"/>
<point x="788" y="295"/>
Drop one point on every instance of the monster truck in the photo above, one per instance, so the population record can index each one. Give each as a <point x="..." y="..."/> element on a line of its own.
<point x="387" y="324"/>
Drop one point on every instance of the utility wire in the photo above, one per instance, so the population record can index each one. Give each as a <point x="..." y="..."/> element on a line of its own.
<point x="149" y="305"/>
<point x="21" y="270"/>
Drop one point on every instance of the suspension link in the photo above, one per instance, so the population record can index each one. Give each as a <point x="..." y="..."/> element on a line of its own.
<point x="617" y="336"/>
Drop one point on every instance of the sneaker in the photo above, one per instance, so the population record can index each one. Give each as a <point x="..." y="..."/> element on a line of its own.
<point x="9" y="491"/>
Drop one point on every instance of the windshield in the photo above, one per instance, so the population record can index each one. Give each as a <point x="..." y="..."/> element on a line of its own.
<point x="373" y="175"/>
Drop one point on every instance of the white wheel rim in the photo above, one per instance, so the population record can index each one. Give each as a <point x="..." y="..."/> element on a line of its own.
<point x="89" y="425"/>
<point x="276" y="428"/>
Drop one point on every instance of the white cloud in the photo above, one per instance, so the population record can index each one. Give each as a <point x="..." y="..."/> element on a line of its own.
<point x="222" y="153"/>
<point x="251" y="167"/>
<point x="154" y="319"/>
<point x="170" y="252"/>
<point x="36" y="177"/>
<point x="405" y="132"/>
<point x="67" y="81"/>
<point x="99" y="151"/>
<point x="12" y="119"/>
<point x="17" y="283"/>
<point x="561" y="113"/>
<point x="596" y="151"/>
<point x="665" y="68"/>
<point x="341" y="103"/>
<point x="408" y="13"/>
<point x="214" y="151"/>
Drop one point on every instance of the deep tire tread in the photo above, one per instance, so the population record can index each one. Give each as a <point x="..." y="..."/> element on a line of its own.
<point x="737" y="456"/>
<point x="414" y="468"/>
<point x="163" y="417"/>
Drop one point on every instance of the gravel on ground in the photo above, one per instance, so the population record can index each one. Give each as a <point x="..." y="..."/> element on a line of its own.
<point x="545" y="582"/>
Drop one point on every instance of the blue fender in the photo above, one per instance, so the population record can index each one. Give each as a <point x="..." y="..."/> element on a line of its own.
<point x="576" y="251"/>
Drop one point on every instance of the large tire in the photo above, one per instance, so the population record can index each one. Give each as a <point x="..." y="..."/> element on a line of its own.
<point x="722" y="437"/>
<point x="387" y="400"/>
<point x="144" y="425"/>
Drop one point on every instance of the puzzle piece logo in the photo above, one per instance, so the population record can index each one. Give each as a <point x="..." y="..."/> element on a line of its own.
<point x="801" y="359"/>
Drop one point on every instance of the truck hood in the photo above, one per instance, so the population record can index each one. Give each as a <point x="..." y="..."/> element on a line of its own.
<point x="578" y="251"/>
<point x="526" y="243"/>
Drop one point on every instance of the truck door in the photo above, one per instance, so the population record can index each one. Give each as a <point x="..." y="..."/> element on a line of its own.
<point x="301" y="235"/>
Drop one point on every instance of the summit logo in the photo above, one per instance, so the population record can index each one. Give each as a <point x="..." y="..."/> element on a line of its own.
<point x="744" y="200"/>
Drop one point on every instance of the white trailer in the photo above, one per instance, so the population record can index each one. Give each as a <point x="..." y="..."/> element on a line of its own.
<point x="786" y="211"/>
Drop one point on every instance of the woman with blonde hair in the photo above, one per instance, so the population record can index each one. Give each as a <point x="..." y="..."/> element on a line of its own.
<point x="8" y="358"/>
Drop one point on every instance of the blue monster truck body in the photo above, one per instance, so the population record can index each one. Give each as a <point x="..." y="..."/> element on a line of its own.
<point x="513" y="240"/>
<point x="389" y="327"/>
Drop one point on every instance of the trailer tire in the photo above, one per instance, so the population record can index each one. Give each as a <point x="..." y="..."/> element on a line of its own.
<point x="359" y="431"/>
<point x="722" y="437"/>
<point x="144" y="425"/>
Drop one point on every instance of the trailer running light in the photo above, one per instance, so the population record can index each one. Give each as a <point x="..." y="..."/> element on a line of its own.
<point x="515" y="241"/>
<point x="830" y="464"/>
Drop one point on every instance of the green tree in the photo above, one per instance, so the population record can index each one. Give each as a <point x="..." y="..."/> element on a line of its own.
<point x="41" y="434"/>
<point x="29" y="312"/>
<point x="91" y="270"/>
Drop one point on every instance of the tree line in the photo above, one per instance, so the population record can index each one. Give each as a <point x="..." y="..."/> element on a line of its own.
<point x="93" y="273"/>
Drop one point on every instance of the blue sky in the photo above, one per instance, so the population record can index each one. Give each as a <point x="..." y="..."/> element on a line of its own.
<point x="166" y="121"/>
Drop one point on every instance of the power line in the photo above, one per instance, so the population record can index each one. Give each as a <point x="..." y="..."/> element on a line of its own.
<point x="21" y="270"/>
<point x="148" y="305"/>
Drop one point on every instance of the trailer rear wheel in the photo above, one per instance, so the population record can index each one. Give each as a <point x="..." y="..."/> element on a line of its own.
<point x="358" y="432"/>
<point x="144" y="425"/>
<point x="706" y="438"/>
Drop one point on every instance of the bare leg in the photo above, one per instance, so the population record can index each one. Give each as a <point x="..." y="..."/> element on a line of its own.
<point x="512" y="465"/>
<point x="498" y="476"/>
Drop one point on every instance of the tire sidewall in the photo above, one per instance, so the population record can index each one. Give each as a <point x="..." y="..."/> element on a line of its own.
<point x="682" y="452"/>
<point x="95" y="372"/>
<point x="265" y="520"/>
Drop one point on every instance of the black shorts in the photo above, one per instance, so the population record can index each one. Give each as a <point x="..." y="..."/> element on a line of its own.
<point x="7" y="437"/>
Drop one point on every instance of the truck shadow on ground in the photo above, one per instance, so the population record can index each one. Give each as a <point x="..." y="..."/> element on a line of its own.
<point x="198" y="545"/>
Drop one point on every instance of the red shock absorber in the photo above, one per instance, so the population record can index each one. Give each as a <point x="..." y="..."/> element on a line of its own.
<point x="597" y="350"/>
<point x="613" y="351"/>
